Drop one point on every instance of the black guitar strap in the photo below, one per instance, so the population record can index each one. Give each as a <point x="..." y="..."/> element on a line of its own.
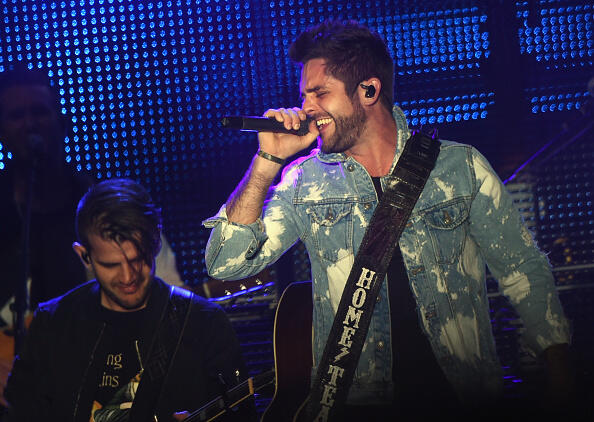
<point x="161" y="354"/>
<point x="351" y="322"/>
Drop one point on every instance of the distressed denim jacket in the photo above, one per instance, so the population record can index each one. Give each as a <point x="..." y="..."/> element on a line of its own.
<point x="463" y="220"/>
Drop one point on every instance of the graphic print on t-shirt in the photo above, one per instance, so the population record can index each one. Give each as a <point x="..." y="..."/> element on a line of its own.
<point x="118" y="408"/>
<point x="120" y="366"/>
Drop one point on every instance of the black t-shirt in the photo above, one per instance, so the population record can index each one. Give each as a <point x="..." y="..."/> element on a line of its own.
<point x="416" y="373"/>
<point x="118" y="358"/>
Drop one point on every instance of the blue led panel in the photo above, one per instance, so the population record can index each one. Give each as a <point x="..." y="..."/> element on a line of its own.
<point x="457" y="108"/>
<point x="556" y="100"/>
<point x="436" y="41"/>
<point x="557" y="32"/>
<point x="558" y="37"/>
<point x="138" y="80"/>
<point x="442" y="44"/>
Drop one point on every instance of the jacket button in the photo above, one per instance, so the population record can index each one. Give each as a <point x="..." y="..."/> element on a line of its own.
<point x="351" y="167"/>
<point x="380" y="345"/>
<point x="367" y="206"/>
<point x="446" y="217"/>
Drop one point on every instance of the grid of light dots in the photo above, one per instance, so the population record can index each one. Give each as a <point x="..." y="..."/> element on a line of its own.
<point x="570" y="99"/>
<point x="563" y="34"/>
<point x="133" y="77"/>
<point x="561" y="39"/>
<point x="435" y="42"/>
<point x="455" y="108"/>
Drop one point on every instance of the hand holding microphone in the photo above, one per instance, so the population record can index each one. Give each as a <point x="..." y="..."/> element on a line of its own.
<point x="263" y="124"/>
<point x="275" y="137"/>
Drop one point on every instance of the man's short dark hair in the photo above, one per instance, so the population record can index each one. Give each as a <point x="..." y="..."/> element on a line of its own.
<point x="20" y="74"/>
<point x="120" y="210"/>
<point x="353" y="53"/>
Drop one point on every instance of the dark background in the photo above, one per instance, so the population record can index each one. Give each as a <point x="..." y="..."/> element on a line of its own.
<point x="145" y="84"/>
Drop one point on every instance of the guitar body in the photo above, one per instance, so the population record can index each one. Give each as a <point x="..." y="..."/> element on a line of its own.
<point x="292" y="362"/>
<point x="292" y="352"/>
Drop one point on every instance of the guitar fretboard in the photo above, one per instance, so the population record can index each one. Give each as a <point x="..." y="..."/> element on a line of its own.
<point x="232" y="398"/>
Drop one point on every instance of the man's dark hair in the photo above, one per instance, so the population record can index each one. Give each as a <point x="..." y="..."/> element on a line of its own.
<point x="20" y="74"/>
<point x="120" y="210"/>
<point x="353" y="53"/>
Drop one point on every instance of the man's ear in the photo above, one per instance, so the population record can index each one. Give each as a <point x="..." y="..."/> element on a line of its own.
<point x="82" y="253"/>
<point x="369" y="91"/>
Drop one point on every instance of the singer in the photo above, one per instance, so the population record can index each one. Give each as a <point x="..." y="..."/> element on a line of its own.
<point x="429" y="350"/>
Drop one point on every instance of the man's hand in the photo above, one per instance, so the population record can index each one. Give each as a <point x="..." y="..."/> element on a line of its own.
<point x="245" y="204"/>
<point x="284" y="145"/>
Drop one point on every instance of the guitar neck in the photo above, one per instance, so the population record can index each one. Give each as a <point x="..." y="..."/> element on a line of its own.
<point x="232" y="398"/>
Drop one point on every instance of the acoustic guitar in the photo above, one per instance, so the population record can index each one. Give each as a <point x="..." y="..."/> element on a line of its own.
<point x="292" y="353"/>
<point x="292" y="363"/>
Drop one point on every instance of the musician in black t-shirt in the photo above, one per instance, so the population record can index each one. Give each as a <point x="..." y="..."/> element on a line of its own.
<point x="109" y="350"/>
<point x="35" y="175"/>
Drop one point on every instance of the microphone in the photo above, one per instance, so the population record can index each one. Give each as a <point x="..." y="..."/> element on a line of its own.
<point x="263" y="124"/>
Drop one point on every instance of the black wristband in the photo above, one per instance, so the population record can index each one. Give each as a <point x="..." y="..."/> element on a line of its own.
<point x="271" y="157"/>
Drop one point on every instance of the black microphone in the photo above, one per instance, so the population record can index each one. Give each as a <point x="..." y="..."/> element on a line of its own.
<point x="263" y="124"/>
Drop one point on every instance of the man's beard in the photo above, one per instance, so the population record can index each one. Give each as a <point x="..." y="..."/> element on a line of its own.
<point x="347" y="130"/>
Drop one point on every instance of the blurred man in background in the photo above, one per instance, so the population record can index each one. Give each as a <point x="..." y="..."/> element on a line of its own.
<point x="126" y="345"/>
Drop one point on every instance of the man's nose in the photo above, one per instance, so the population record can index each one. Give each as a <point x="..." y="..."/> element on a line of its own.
<point x="309" y="105"/>
<point x="127" y="273"/>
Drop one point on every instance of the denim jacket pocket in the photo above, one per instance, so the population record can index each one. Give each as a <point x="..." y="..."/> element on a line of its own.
<point x="447" y="229"/>
<point x="331" y="229"/>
